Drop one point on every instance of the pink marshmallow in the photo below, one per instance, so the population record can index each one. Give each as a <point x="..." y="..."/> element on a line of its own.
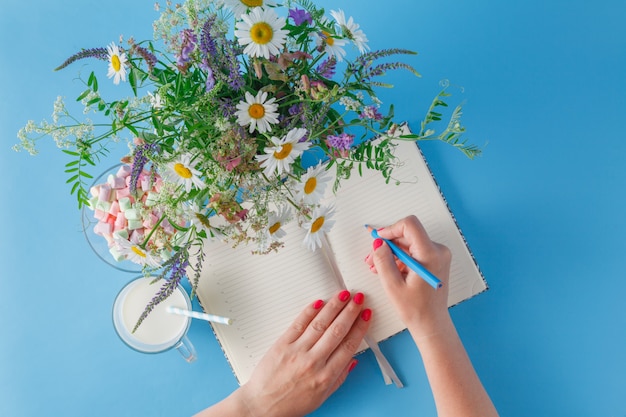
<point x="105" y="192"/>
<point x="167" y="227"/>
<point x="149" y="222"/>
<point x="123" y="192"/>
<point x="115" y="208"/>
<point x="100" y="215"/>
<point x="145" y="183"/>
<point x="103" y="229"/>
<point x="123" y="171"/>
<point x="136" y="236"/>
<point x="116" y="182"/>
<point x="95" y="191"/>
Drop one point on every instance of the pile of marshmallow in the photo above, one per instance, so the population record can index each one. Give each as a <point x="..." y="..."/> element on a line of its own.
<point x="121" y="214"/>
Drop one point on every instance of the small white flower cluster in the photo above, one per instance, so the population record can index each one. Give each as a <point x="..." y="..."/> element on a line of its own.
<point x="64" y="136"/>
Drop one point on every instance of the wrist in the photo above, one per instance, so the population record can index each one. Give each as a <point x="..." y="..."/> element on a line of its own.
<point x="237" y="405"/>
<point x="422" y="329"/>
<point x="231" y="406"/>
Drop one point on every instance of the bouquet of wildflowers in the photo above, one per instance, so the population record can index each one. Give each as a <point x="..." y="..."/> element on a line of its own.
<point x="219" y="110"/>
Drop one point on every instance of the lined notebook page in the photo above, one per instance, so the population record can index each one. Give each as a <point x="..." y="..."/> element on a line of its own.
<point x="368" y="200"/>
<point x="262" y="294"/>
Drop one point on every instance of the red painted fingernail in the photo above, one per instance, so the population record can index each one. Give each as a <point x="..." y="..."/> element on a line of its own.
<point x="377" y="243"/>
<point x="352" y="365"/>
<point x="366" y="315"/>
<point x="380" y="229"/>
<point x="344" y="295"/>
<point x="359" y="298"/>
<point x="318" y="304"/>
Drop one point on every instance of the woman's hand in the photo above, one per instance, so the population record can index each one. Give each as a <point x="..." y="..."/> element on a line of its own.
<point x="456" y="387"/>
<point x="306" y="364"/>
<point x="421" y="307"/>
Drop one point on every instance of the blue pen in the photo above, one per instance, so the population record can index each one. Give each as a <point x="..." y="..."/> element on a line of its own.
<point x="418" y="268"/>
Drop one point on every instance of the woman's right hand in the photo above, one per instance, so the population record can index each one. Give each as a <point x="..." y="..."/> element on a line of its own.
<point x="421" y="307"/>
<point x="455" y="385"/>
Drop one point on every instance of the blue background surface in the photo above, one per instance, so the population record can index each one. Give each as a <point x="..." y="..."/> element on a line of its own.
<point x="542" y="209"/>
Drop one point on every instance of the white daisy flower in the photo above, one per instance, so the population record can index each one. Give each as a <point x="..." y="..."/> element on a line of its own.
<point x="332" y="46"/>
<point x="155" y="100"/>
<point x="351" y="30"/>
<point x="261" y="32"/>
<point x="275" y="223"/>
<point x="311" y="187"/>
<point x="321" y="222"/>
<point x="135" y="253"/>
<point x="182" y="172"/>
<point x="278" y="158"/>
<point x="240" y="7"/>
<point x="117" y="63"/>
<point x="258" y="112"/>
<point x="201" y="221"/>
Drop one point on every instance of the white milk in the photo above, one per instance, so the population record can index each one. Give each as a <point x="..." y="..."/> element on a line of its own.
<point x="160" y="330"/>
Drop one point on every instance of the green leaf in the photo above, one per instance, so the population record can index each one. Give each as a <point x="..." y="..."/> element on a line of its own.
<point x="92" y="79"/>
<point x="132" y="80"/>
<point x="83" y="94"/>
<point x="132" y="129"/>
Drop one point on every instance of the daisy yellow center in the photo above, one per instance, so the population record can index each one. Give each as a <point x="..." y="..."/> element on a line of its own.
<point x="328" y="39"/>
<point x="274" y="228"/>
<point x="253" y="3"/>
<point x="116" y="63"/>
<point x="317" y="224"/>
<point x="256" y="111"/>
<point x="310" y="185"/>
<point x="284" y="151"/>
<point x="182" y="170"/>
<point x="261" y="33"/>
<point x="138" y="251"/>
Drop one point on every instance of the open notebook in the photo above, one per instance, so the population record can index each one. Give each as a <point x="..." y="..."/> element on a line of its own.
<point x="264" y="293"/>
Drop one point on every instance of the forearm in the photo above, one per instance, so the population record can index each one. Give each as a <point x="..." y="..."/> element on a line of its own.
<point x="455" y="385"/>
<point x="231" y="406"/>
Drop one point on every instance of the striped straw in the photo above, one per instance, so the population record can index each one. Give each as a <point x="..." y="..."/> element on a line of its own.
<point x="197" y="315"/>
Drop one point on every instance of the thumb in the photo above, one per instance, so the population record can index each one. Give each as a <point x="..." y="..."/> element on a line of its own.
<point x="386" y="265"/>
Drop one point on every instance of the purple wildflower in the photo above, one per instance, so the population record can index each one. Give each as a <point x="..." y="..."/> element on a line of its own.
<point x="222" y="55"/>
<point x="98" y="53"/>
<point x="295" y="109"/>
<point x="140" y="159"/>
<point x="210" y="79"/>
<point x="300" y="16"/>
<point x="341" y="142"/>
<point x="370" y="112"/>
<point x="235" y="79"/>
<point x="188" y="45"/>
<point x="327" y="68"/>
<point x="147" y="56"/>
<point x="207" y="42"/>
<point x="176" y="266"/>
<point x="227" y="107"/>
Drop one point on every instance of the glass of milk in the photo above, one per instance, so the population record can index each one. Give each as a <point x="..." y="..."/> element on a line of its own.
<point x="161" y="330"/>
